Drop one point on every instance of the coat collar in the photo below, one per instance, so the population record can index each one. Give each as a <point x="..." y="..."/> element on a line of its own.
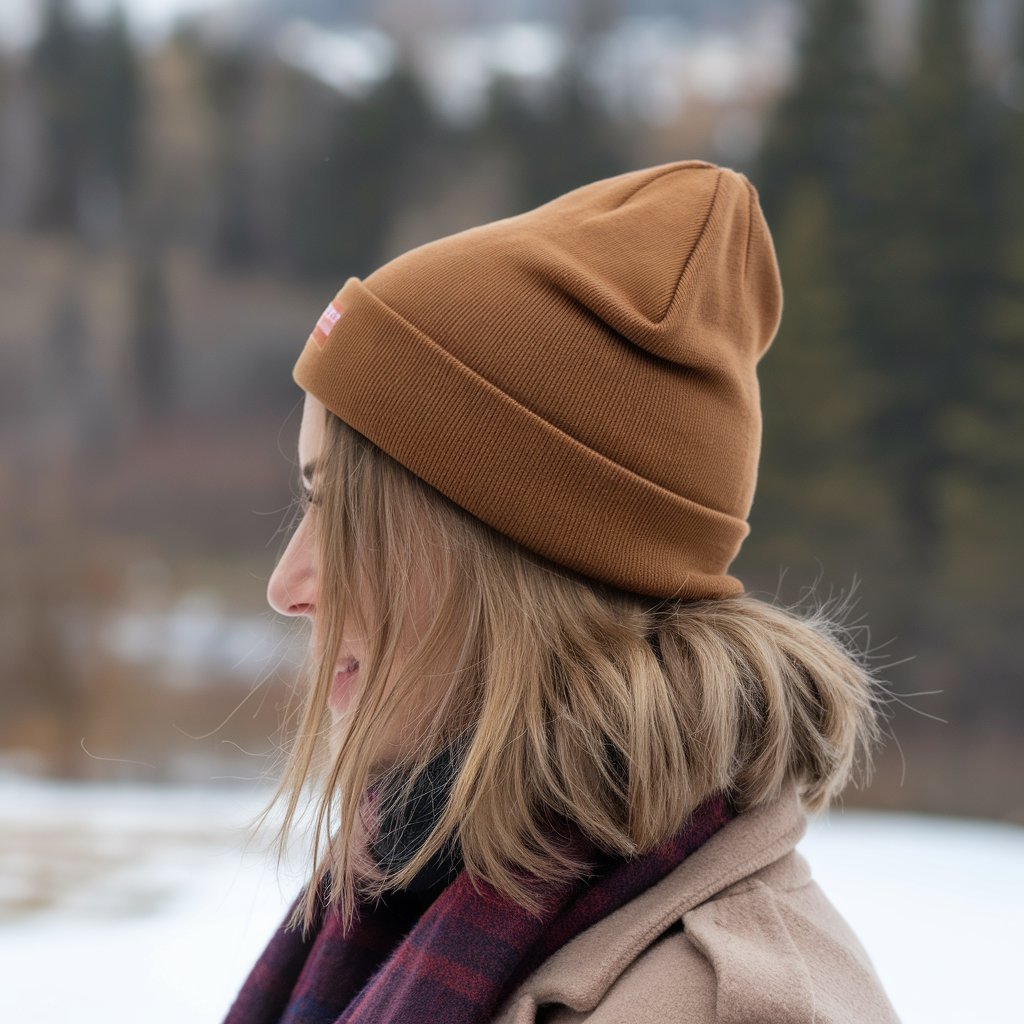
<point x="580" y="972"/>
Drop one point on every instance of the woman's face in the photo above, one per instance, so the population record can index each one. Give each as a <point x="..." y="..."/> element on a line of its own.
<point x="292" y="589"/>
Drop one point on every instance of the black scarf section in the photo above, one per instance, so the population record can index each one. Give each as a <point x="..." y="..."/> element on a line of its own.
<point x="405" y="826"/>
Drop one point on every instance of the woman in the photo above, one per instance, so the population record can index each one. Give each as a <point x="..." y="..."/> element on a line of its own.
<point x="560" y="759"/>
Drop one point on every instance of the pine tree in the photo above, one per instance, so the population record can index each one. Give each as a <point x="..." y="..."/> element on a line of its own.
<point x="820" y="498"/>
<point x="114" y="100"/>
<point x="981" y="500"/>
<point x="228" y="78"/>
<point x="567" y="139"/>
<point x="352" y="175"/>
<point x="152" y="367"/>
<point x="55" y="71"/>
<point x="922" y="314"/>
<point x="821" y="504"/>
<point x="819" y="127"/>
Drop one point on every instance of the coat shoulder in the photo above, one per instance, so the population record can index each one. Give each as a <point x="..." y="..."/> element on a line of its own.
<point x="771" y="947"/>
<point x="737" y="932"/>
<point x="780" y="950"/>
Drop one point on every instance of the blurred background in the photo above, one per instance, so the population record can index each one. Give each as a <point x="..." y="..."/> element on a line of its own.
<point x="185" y="183"/>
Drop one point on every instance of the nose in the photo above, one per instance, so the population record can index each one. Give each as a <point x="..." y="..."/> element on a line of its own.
<point x="292" y="585"/>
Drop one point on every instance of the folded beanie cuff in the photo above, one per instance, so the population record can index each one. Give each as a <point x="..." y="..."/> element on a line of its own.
<point x="506" y="465"/>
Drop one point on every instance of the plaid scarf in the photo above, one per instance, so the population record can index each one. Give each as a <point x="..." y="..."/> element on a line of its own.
<point x="439" y="949"/>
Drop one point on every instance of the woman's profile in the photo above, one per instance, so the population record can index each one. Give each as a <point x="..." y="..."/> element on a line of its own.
<point x="558" y="757"/>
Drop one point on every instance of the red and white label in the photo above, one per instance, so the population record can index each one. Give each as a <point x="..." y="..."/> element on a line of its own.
<point x="328" y="318"/>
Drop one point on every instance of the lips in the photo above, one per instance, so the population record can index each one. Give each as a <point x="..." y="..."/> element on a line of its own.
<point x="342" y="678"/>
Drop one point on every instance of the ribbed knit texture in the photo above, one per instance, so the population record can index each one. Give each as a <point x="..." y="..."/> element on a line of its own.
<point x="581" y="376"/>
<point x="456" y="961"/>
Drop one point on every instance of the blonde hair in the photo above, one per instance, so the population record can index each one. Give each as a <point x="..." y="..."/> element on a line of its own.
<point x="556" y="681"/>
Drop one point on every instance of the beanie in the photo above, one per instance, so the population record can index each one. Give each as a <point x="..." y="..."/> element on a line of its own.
<point x="581" y="376"/>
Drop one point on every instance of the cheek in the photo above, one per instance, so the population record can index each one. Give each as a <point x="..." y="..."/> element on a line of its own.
<point x="422" y="606"/>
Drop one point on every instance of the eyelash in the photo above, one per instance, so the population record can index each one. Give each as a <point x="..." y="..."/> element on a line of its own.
<point x="307" y="498"/>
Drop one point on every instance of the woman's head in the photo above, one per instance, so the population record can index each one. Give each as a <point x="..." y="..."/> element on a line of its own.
<point x="534" y="460"/>
<point x="562" y="703"/>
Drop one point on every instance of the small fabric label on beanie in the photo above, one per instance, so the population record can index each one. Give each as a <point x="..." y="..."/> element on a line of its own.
<point x="328" y="318"/>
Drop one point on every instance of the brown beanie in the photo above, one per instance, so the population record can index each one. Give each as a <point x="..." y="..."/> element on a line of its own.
<point x="580" y="376"/>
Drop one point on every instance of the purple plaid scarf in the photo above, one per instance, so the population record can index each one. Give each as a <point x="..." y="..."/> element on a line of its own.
<point x="445" y="952"/>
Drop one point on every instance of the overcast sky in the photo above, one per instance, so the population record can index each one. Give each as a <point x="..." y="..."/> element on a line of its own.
<point x="149" y="18"/>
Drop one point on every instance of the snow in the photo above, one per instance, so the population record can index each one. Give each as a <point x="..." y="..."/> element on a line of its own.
<point x="146" y="902"/>
<point x="161" y="908"/>
<point x="937" y="902"/>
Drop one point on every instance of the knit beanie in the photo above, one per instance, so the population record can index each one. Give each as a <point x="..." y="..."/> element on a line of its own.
<point x="581" y="376"/>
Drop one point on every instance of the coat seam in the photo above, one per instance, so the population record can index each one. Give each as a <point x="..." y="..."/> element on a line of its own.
<point x="746" y="885"/>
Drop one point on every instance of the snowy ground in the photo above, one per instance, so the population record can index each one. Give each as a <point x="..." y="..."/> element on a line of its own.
<point x="123" y="903"/>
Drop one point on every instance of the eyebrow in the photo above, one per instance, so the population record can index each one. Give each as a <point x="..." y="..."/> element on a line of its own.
<point x="308" y="470"/>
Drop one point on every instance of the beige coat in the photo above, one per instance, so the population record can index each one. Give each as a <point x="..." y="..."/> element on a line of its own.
<point x="738" y="933"/>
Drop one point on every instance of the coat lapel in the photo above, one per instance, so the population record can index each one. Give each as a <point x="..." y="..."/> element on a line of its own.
<point x="580" y="972"/>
